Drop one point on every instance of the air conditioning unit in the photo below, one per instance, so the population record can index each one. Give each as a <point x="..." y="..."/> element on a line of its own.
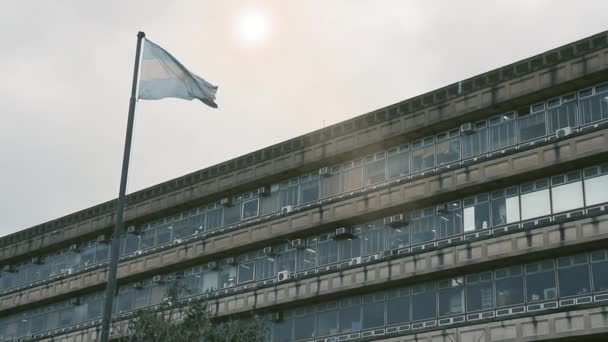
<point x="159" y="279"/>
<point x="226" y="202"/>
<point x="102" y="238"/>
<point x="132" y="230"/>
<point x="467" y="128"/>
<point x="442" y="209"/>
<point x="283" y="275"/>
<point x="37" y="260"/>
<point x="343" y="233"/>
<point x="212" y="265"/>
<point x="9" y="269"/>
<point x="268" y="251"/>
<point x="298" y="243"/>
<point x="324" y="172"/>
<point x="397" y="220"/>
<point x="264" y="191"/>
<point x="563" y="132"/>
<point x="355" y="261"/>
<point x="75" y="301"/>
<point x="74" y="248"/>
<point x="388" y="220"/>
<point x="276" y="317"/>
<point x="287" y="209"/>
<point x="177" y="241"/>
<point x="138" y="285"/>
<point x="231" y="261"/>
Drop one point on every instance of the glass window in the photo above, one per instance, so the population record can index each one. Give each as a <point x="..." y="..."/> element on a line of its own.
<point x="264" y="268"/>
<point x="476" y="214"/>
<point x="288" y="193"/>
<point x="540" y="281"/>
<point x="594" y="108"/>
<point x="562" y="116"/>
<point x="232" y="214"/>
<point x="328" y="250"/>
<point x="281" y="330"/>
<point x="448" y="148"/>
<point x="476" y="142"/>
<point x="375" y="170"/>
<point x="286" y="259"/>
<point x="304" y="323"/>
<point x="350" y="248"/>
<point x="307" y="257"/>
<point x="102" y="251"/>
<point x="505" y="210"/>
<point x="189" y="225"/>
<point x="573" y="275"/>
<point x="423" y="155"/>
<point x="327" y="319"/>
<point x="214" y="218"/>
<point x="424" y="302"/>
<point x="423" y="225"/>
<point x="350" y="314"/>
<point x="246" y="271"/>
<point x="331" y="183"/>
<point x="599" y="267"/>
<point x="352" y="175"/>
<point x="398" y="236"/>
<point x="451" y="296"/>
<point x="372" y="238"/>
<point x="596" y="190"/>
<point x="373" y="310"/>
<point x="502" y="131"/>
<point x="532" y="126"/>
<point x="480" y="291"/>
<point x="163" y="233"/>
<point x="398" y="162"/>
<point x="567" y="196"/>
<point x="309" y="189"/>
<point x="398" y="305"/>
<point x="509" y="286"/>
<point x="449" y="219"/>
<point x="535" y="203"/>
<point x="87" y="253"/>
<point x="226" y="276"/>
<point x="250" y="208"/>
<point x="147" y="237"/>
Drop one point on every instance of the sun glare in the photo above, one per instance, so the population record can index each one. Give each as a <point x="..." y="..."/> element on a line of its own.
<point x="253" y="27"/>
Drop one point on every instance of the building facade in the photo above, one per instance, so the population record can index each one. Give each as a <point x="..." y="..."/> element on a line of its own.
<point x="476" y="212"/>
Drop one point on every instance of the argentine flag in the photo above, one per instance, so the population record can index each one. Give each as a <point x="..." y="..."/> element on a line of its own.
<point x="164" y="76"/>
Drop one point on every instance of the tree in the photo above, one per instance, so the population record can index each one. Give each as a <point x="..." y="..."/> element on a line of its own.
<point x="177" y="322"/>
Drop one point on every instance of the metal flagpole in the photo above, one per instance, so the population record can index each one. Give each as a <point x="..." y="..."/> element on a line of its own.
<point x="112" y="268"/>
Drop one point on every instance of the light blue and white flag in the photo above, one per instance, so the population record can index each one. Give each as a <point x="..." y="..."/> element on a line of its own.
<point x="164" y="76"/>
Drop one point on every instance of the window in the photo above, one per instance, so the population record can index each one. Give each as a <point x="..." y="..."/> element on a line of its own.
<point x="398" y="236"/>
<point x="562" y="116"/>
<point x="448" y="147"/>
<point x="373" y="310"/>
<point x="264" y="267"/>
<point x="250" y="208"/>
<point x="328" y="250"/>
<point x="372" y="238"/>
<point x="232" y="214"/>
<point x="288" y="193"/>
<point x="270" y="203"/>
<point x="509" y="286"/>
<point x="502" y="131"/>
<point x="214" y="217"/>
<point x="449" y="219"/>
<point x="505" y="206"/>
<point x="424" y="302"/>
<point x="163" y="233"/>
<point x="281" y="330"/>
<point x="191" y="283"/>
<point x="350" y="248"/>
<point x="594" y="108"/>
<point x="423" y="225"/>
<point x="567" y="192"/>
<point x="226" y="276"/>
<point x="573" y="275"/>
<point x="476" y="214"/>
<point x="476" y="142"/>
<point x="423" y="155"/>
<point x="304" y="323"/>
<point x="350" y="314"/>
<point x="352" y="175"/>
<point x="532" y="126"/>
<point x="535" y="199"/>
<point x="327" y="319"/>
<point x="480" y="291"/>
<point x="246" y="269"/>
<point x="147" y="236"/>
<point x="398" y="162"/>
<point x="375" y="169"/>
<point x="451" y="296"/>
<point x="307" y="257"/>
<point x="187" y="226"/>
<point x="596" y="185"/>
<point x="286" y="259"/>
<point x="540" y="281"/>
<point x="309" y="188"/>
<point x="331" y="183"/>
<point x="599" y="267"/>
<point x="209" y="280"/>
<point x="398" y="305"/>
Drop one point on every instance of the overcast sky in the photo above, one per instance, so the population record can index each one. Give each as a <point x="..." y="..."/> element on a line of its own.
<point x="284" y="68"/>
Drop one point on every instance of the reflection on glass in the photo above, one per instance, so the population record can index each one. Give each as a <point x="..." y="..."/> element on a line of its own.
<point x="304" y="323"/>
<point x="451" y="297"/>
<point x="562" y="116"/>
<point x="596" y="190"/>
<point x="502" y="132"/>
<point x="327" y="319"/>
<point x="567" y="197"/>
<point x="509" y="286"/>
<point x="375" y="172"/>
<point x="475" y="144"/>
<point x="532" y="126"/>
<point x="540" y="281"/>
<point x="424" y="302"/>
<point x="398" y="306"/>
<point x="480" y="291"/>
<point x="423" y="225"/>
<point x="398" y="165"/>
<point x="594" y="108"/>
<point x="448" y="151"/>
<point x="353" y="177"/>
<point x="573" y="275"/>
<point x="535" y="204"/>
<point x="423" y="158"/>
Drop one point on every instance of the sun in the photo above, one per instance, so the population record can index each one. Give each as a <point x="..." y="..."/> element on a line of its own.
<point x="253" y="27"/>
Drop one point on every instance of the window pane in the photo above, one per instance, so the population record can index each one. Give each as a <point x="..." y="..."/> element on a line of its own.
<point x="130" y="243"/>
<point x="226" y="276"/>
<point x="281" y="331"/>
<point x="349" y="248"/>
<point x="448" y="151"/>
<point x="477" y="217"/>
<point x="307" y="257"/>
<point x="250" y="209"/>
<point x="264" y="268"/>
<point x="373" y="310"/>
<point x="594" y="108"/>
<point x="423" y="158"/>
<point x="327" y="322"/>
<point x="352" y="178"/>
<point x="567" y="197"/>
<point x="540" y="281"/>
<point x="398" y="306"/>
<point x="424" y="302"/>
<point x="163" y="233"/>
<point x="328" y="252"/>
<point x="270" y="203"/>
<point x="596" y="190"/>
<point x="475" y="144"/>
<point x="562" y="116"/>
<point x="480" y="295"/>
<point x="509" y="287"/>
<point x="398" y="165"/>
<point x="330" y="185"/>
<point x="372" y="238"/>
<point x="375" y="172"/>
<point x="449" y="224"/>
<point x="573" y="275"/>
<point x="423" y="227"/>
<point x="535" y="204"/>
<point x="398" y="236"/>
<point x="288" y="195"/>
<point x="350" y="314"/>
<point x="451" y="297"/>
<point x="304" y="323"/>
<point x="600" y="275"/>
<point x="246" y="272"/>
<point x="502" y="135"/>
<point x="309" y="191"/>
<point x="214" y="219"/>
<point x="532" y="126"/>
<point x="505" y="210"/>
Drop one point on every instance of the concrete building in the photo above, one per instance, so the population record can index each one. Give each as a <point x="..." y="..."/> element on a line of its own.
<point x="475" y="212"/>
